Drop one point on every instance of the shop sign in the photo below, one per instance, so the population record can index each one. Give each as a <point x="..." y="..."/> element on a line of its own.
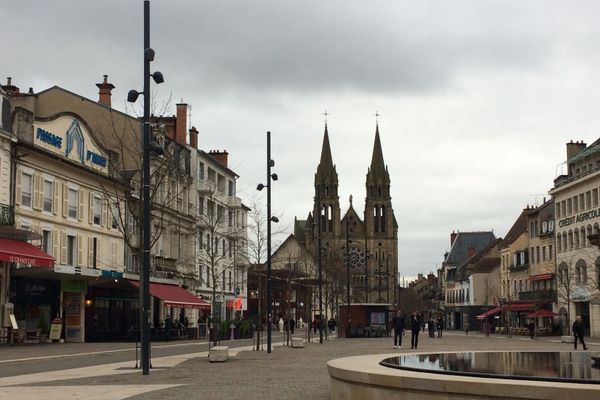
<point x="581" y="217"/>
<point x="67" y="137"/>
<point x="112" y="274"/>
<point x="68" y="285"/>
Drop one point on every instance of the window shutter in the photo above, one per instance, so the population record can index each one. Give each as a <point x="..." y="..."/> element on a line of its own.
<point x="18" y="188"/>
<point x="80" y="250"/>
<point x="63" y="247"/>
<point x="37" y="183"/>
<point x="56" y="197"/>
<point x="91" y="208"/>
<point x="65" y="200"/>
<point x="56" y="245"/>
<point x="81" y="204"/>
<point x="104" y="214"/>
<point x="90" y="252"/>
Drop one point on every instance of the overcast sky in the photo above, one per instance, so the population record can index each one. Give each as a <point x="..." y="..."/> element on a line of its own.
<point x="477" y="98"/>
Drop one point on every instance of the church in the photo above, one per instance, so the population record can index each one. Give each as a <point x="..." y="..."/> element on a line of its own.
<point x="368" y="244"/>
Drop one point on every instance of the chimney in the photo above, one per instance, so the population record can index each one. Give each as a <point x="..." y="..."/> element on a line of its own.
<point x="9" y="88"/>
<point x="181" y="124"/>
<point x="105" y="91"/>
<point x="453" y="238"/>
<point x="194" y="137"/>
<point x="470" y="251"/>
<point x="220" y="156"/>
<point x="573" y="148"/>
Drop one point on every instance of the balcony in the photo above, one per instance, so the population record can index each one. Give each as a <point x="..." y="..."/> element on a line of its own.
<point x="234" y="202"/>
<point x="205" y="186"/>
<point x="7" y="215"/>
<point x="542" y="296"/>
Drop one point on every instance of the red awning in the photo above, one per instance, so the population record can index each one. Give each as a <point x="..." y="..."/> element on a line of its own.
<point x="489" y="312"/>
<point x="24" y="253"/>
<point x="542" y="313"/>
<point x="541" y="277"/>
<point x="174" y="296"/>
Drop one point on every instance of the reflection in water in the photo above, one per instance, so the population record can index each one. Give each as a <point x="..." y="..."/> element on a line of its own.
<point x="561" y="366"/>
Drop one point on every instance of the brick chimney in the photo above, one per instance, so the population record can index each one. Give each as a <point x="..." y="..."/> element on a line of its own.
<point x="470" y="251"/>
<point x="104" y="93"/>
<point x="573" y="148"/>
<point x="181" y="124"/>
<point x="220" y="156"/>
<point x="9" y="88"/>
<point x="453" y="238"/>
<point x="194" y="137"/>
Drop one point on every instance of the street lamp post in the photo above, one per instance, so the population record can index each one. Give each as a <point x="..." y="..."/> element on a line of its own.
<point x="147" y="148"/>
<point x="270" y="163"/>
<point x="320" y="265"/>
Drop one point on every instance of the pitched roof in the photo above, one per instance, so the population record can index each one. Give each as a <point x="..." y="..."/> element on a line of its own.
<point x="519" y="226"/>
<point x="459" y="253"/>
<point x="326" y="169"/>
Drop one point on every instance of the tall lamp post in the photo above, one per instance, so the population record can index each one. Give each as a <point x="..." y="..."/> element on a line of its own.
<point x="320" y="266"/>
<point x="270" y="163"/>
<point x="348" y="273"/>
<point x="147" y="148"/>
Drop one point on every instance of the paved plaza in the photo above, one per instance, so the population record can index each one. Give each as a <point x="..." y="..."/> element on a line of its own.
<point x="182" y="370"/>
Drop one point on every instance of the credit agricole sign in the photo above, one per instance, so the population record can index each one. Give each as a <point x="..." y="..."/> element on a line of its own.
<point x="67" y="137"/>
<point x="581" y="217"/>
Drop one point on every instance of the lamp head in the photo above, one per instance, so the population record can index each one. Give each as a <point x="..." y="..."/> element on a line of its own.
<point x="271" y="163"/>
<point x="274" y="177"/>
<point x="260" y="187"/>
<point x="149" y="54"/>
<point x="132" y="96"/>
<point x="158" y="78"/>
<point x="275" y="219"/>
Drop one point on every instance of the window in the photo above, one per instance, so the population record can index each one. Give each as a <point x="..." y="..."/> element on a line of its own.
<point x="569" y="208"/>
<point x="551" y="226"/>
<point x="208" y="276"/>
<point x="594" y="197"/>
<point x="231" y="188"/>
<point x="200" y="239"/>
<point x="71" y="249"/>
<point x="47" y="241"/>
<point x="557" y="210"/>
<point x="543" y="253"/>
<point x="537" y="253"/>
<point x="212" y="175"/>
<point x="550" y="252"/>
<point x="115" y="214"/>
<point x="230" y="218"/>
<point x="94" y="252"/>
<point x="97" y="210"/>
<point x="581" y="202"/>
<point x="230" y="249"/>
<point x="223" y="248"/>
<point x="73" y="194"/>
<point x="26" y="189"/>
<point x="588" y="199"/>
<point x="201" y="171"/>
<point x="544" y="226"/>
<point x="200" y="204"/>
<point x="230" y="282"/>
<point x="48" y="195"/>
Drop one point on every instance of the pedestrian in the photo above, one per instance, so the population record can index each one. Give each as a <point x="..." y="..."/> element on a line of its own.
<point x="292" y="325"/>
<point x="579" y="331"/>
<point x="440" y="326"/>
<point x="531" y="327"/>
<point x="466" y="327"/>
<point x="415" y="325"/>
<point x="314" y="325"/>
<point x="398" y="325"/>
<point x="431" y="327"/>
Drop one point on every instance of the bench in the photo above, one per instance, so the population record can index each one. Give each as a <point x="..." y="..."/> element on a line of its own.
<point x="297" y="342"/>
<point x="218" y="354"/>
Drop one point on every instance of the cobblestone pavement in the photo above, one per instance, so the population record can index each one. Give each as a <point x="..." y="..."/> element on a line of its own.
<point x="286" y="373"/>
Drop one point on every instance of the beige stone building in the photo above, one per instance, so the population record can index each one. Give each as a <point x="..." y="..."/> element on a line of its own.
<point x="577" y="218"/>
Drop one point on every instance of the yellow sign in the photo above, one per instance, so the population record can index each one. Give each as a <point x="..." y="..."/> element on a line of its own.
<point x="55" y="330"/>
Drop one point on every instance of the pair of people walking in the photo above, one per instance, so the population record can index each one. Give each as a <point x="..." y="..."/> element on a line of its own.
<point x="399" y="322"/>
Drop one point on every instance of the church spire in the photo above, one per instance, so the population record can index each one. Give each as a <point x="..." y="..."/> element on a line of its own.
<point x="326" y="170"/>
<point x="378" y="171"/>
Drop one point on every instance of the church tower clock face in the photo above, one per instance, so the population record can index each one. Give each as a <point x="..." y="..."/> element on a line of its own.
<point x="356" y="256"/>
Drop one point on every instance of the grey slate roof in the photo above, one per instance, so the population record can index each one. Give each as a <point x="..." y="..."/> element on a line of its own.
<point x="459" y="252"/>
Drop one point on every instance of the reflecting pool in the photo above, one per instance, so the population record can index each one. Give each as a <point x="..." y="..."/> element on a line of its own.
<point x="549" y="366"/>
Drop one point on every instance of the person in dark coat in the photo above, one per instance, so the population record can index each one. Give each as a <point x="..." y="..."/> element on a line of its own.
<point x="531" y="327"/>
<point x="431" y="327"/>
<point x="578" y="331"/>
<point x="415" y="325"/>
<point x="440" y="326"/>
<point x="292" y="325"/>
<point x="398" y="325"/>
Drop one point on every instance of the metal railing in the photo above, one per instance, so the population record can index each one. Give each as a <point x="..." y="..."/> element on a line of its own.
<point x="7" y="215"/>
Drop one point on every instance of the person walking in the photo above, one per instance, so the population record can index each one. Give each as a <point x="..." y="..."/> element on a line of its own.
<point x="440" y="326"/>
<point x="292" y="325"/>
<point x="431" y="327"/>
<point x="415" y="325"/>
<point x="531" y="327"/>
<point x="398" y="325"/>
<point x="578" y="331"/>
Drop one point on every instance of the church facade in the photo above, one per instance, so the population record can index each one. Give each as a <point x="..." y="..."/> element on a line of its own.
<point x="368" y="245"/>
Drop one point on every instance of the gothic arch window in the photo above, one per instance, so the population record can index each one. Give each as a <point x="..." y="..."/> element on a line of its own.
<point x="382" y="224"/>
<point x="379" y="191"/>
<point x="330" y="215"/>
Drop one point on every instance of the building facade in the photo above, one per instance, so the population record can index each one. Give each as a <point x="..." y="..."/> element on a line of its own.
<point x="577" y="219"/>
<point x="367" y="245"/>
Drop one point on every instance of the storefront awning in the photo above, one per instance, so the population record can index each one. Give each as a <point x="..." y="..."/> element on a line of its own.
<point x="489" y="312"/>
<point x="24" y="253"/>
<point x="174" y="296"/>
<point x="541" y="277"/>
